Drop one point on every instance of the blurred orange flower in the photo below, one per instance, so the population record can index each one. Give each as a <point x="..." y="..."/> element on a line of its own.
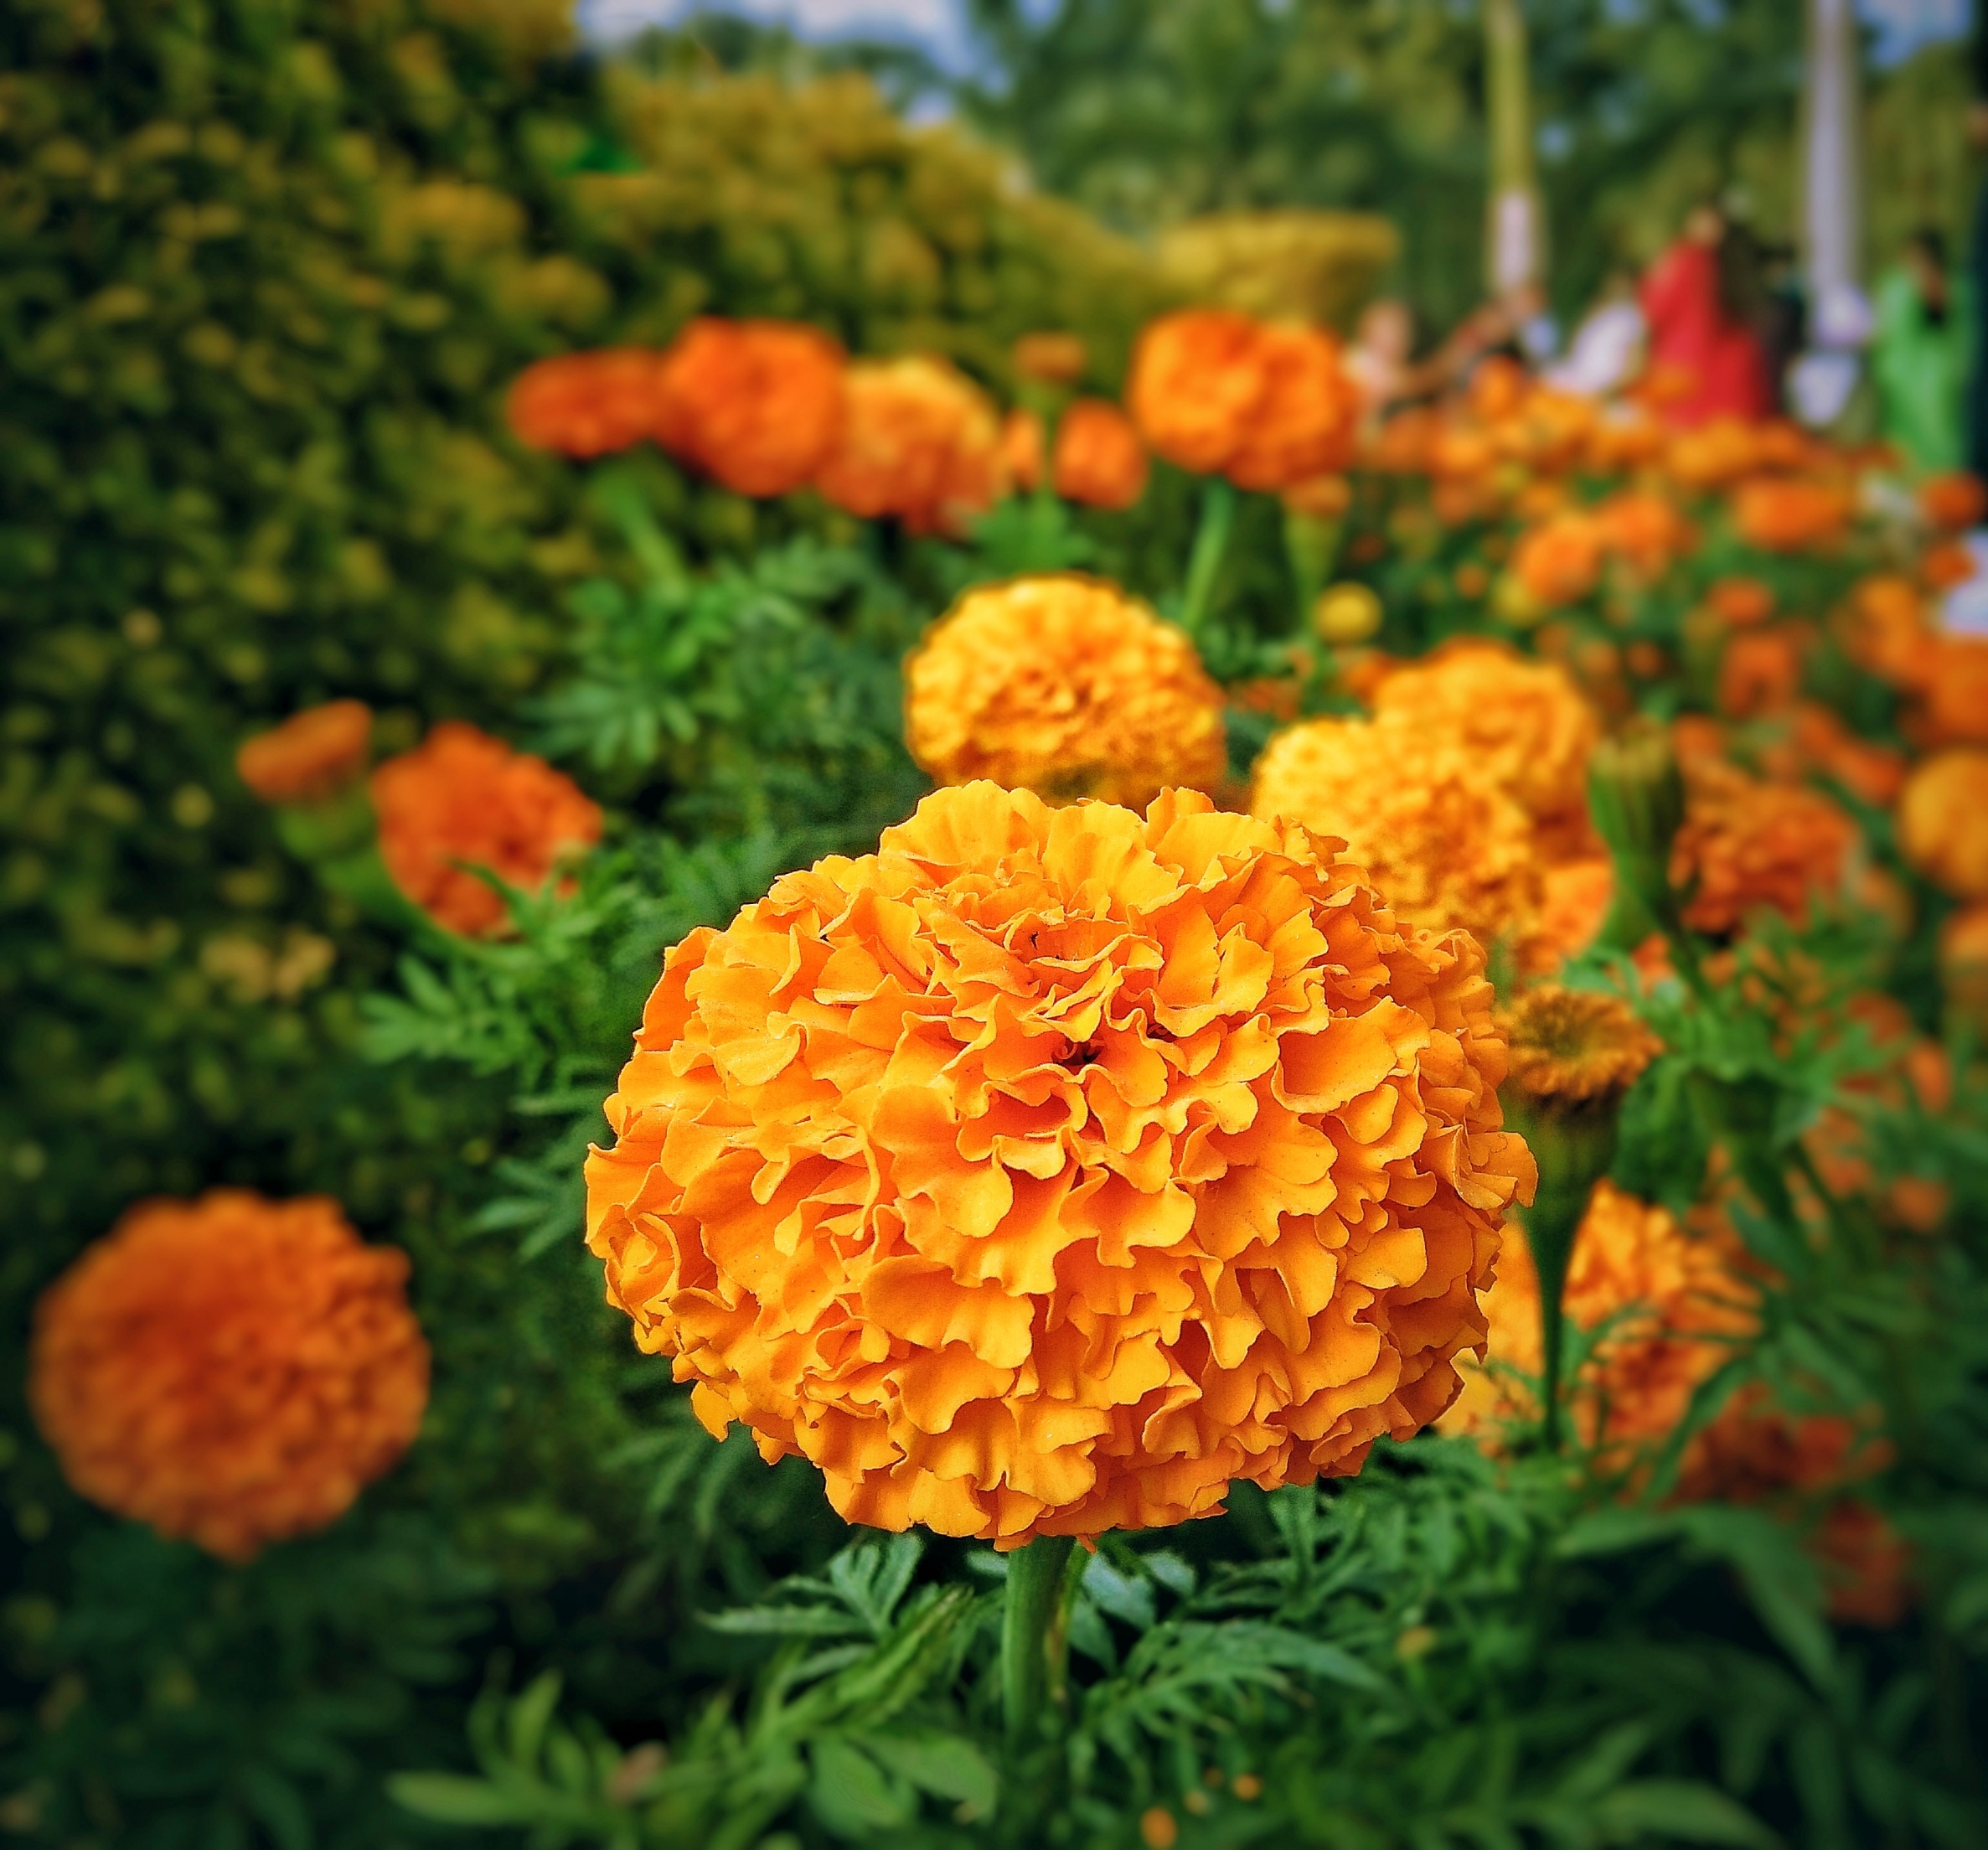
<point x="1645" y="531"/>
<point x="1064" y="685"/>
<point x="1888" y="632"/>
<point x="1048" y="1171"/>
<point x="462" y="799"/>
<point x="311" y="756"/>
<point x="1825" y="744"/>
<point x="1305" y="425"/>
<point x="1049" y="359"/>
<point x="1099" y="461"/>
<point x="1953" y="687"/>
<point x="919" y="440"/>
<point x="1943" y="820"/>
<point x="588" y="404"/>
<point x="1741" y="602"/>
<point x="1713" y="455"/>
<point x="1422" y="814"/>
<point x="1953" y="502"/>
<point x="1760" y="672"/>
<point x="1947" y="565"/>
<point x="230" y="1369"/>
<point x="1745" y="844"/>
<point x="1779" y="514"/>
<point x="755" y="404"/>
<point x="1867" y="1565"/>
<point x="1022" y="449"/>
<point x="1560" y="561"/>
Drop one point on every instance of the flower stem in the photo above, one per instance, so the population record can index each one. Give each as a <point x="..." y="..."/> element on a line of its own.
<point x="1034" y="1599"/>
<point x="1211" y="542"/>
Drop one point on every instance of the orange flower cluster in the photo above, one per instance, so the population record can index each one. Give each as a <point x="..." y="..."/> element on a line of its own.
<point x="588" y="405"/>
<point x="1955" y="502"/>
<point x="758" y="405"/>
<point x="1049" y="1169"/>
<point x="1727" y="450"/>
<point x="1740" y="602"/>
<point x="1792" y="514"/>
<point x="919" y="440"/>
<point x="1943" y="821"/>
<point x="1421" y="813"/>
<point x="312" y="755"/>
<point x="1063" y="685"/>
<point x="1560" y="561"/>
<point x="1745" y="845"/>
<point x="1268" y="404"/>
<point x="463" y="800"/>
<point x="1645" y="531"/>
<point x="231" y="1369"/>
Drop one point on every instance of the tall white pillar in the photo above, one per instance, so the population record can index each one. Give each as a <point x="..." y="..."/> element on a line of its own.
<point x="1515" y="223"/>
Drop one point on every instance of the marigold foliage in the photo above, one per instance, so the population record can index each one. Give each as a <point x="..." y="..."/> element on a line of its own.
<point x="1066" y="687"/>
<point x="1047" y="1171"/>
<point x="231" y="1369"/>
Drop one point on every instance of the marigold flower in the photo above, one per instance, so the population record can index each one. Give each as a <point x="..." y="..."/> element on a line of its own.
<point x="311" y="756"/>
<point x="1305" y="424"/>
<point x="462" y="799"/>
<point x="1098" y="459"/>
<point x="1525" y="721"/>
<point x="1952" y="683"/>
<point x="1760" y="671"/>
<point x="1064" y="685"/>
<point x="1022" y="449"/>
<point x="1943" y="821"/>
<point x="1780" y="515"/>
<point x="1753" y="1451"/>
<point x="1740" y="602"/>
<point x="1346" y="613"/>
<point x="1049" y="1169"/>
<point x="1824" y="743"/>
<point x="1644" y="529"/>
<point x="1322" y="498"/>
<point x="1964" y="962"/>
<point x="1049" y="359"/>
<point x="588" y="404"/>
<point x="1198" y="378"/>
<point x="1953" y="502"/>
<point x="1560" y="561"/>
<point x="1888" y="632"/>
<point x="1424" y="815"/>
<point x="1573" y="906"/>
<point x="1745" y="845"/>
<point x="1714" y="455"/>
<point x="1867" y="1565"/>
<point x="755" y="404"/>
<point x="919" y="440"/>
<point x="1947" y="565"/>
<point x="231" y="1369"/>
<point x="1574" y="1047"/>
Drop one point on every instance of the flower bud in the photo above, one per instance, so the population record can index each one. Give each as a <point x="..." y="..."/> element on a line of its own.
<point x="1346" y="613"/>
<point x="1635" y="794"/>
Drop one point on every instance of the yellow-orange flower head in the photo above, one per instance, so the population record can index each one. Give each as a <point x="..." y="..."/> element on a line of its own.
<point x="232" y="1369"/>
<point x="1525" y="721"/>
<point x="1063" y="685"/>
<point x="1049" y="1169"/>
<point x="1574" y="1047"/>
<point x="1423" y="816"/>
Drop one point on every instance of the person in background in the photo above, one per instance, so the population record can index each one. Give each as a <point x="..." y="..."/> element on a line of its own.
<point x="1697" y="296"/>
<point x="1977" y="384"/>
<point x="1606" y="350"/>
<point x="1379" y="358"/>
<point x="1919" y="359"/>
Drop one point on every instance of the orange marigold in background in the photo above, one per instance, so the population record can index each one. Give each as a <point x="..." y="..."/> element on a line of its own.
<point x="1645" y="531"/>
<point x="1953" y="502"/>
<point x="1943" y="821"/>
<point x="1197" y="380"/>
<point x="586" y="405"/>
<point x="755" y="404"/>
<point x="462" y="799"/>
<point x="1888" y="631"/>
<point x="1714" y="455"/>
<point x="1560" y="561"/>
<point x="1048" y="1171"/>
<point x="1049" y="359"/>
<point x="1524" y="721"/>
<point x="1307" y="420"/>
<point x="1946" y="565"/>
<point x="1825" y="744"/>
<point x="1760" y="671"/>
<point x="1022" y="449"/>
<point x="919" y="440"/>
<point x="1099" y="460"/>
<point x="311" y="756"/>
<point x="1740" y="602"/>
<point x="1063" y="685"/>
<point x="1745" y="845"/>
<point x="1421" y="813"/>
<point x="1953" y="690"/>
<point x="1781" y="516"/>
<point x="231" y="1369"/>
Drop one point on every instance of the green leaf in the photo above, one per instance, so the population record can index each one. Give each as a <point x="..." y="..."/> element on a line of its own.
<point x="1679" y="1811"/>
<point x="943" y="1766"/>
<point x="448" y="1798"/>
<point x="852" y="1794"/>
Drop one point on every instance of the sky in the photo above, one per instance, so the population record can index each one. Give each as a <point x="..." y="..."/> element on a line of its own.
<point x="938" y="26"/>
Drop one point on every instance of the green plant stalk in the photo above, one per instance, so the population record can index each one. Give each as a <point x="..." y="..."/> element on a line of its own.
<point x="1211" y="543"/>
<point x="1312" y="545"/>
<point x="1035" y="1601"/>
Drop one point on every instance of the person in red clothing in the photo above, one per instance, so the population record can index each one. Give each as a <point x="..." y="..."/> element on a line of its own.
<point x="1699" y="336"/>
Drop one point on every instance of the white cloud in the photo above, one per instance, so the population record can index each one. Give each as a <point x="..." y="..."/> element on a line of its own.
<point x="937" y="26"/>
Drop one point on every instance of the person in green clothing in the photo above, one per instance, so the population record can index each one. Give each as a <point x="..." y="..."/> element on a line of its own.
<point x="1921" y="355"/>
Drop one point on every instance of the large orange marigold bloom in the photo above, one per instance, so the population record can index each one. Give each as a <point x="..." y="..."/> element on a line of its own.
<point x="756" y="404"/>
<point x="311" y="756"/>
<point x="1780" y="515"/>
<point x="1421" y="813"/>
<point x="1943" y="821"/>
<point x="1098" y="459"/>
<point x="1063" y="685"/>
<point x="1525" y="721"/>
<point x="1049" y="1169"/>
<point x="1745" y="843"/>
<point x="920" y="440"/>
<point x="1308" y="420"/>
<point x="462" y="799"/>
<point x="585" y="404"/>
<point x="1197" y="380"/>
<point x="231" y="1369"/>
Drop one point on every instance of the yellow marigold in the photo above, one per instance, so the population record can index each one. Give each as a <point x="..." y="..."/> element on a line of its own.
<point x="1745" y="843"/>
<point x="1524" y="720"/>
<point x="232" y="1369"/>
<point x="1420" y="812"/>
<point x="312" y="755"/>
<point x="1943" y="820"/>
<point x="1049" y="1169"/>
<point x="1064" y="685"/>
<point x="1573" y="1046"/>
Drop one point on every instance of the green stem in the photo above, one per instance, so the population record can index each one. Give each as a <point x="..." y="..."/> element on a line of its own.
<point x="1550" y="1224"/>
<point x="1211" y="542"/>
<point x="1034" y="1599"/>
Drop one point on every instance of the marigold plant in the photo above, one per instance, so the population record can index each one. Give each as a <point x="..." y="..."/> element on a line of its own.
<point x="1197" y="380"/>
<point x="1049" y="1169"/>
<point x="230" y="1369"/>
<point x="1745" y="845"/>
<point x="1422" y="814"/>
<point x="463" y="800"/>
<point x="1560" y="561"/>
<point x="1099" y="460"/>
<point x="1943" y="820"/>
<point x="1779" y="514"/>
<point x="311" y="756"/>
<point x="1305" y="424"/>
<point x="755" y="404"/>
<point x="1064" y="685"/>
<point x="588" y="405"/>
<point x="1740" y="602"/>
<point x="919" y="440"/>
